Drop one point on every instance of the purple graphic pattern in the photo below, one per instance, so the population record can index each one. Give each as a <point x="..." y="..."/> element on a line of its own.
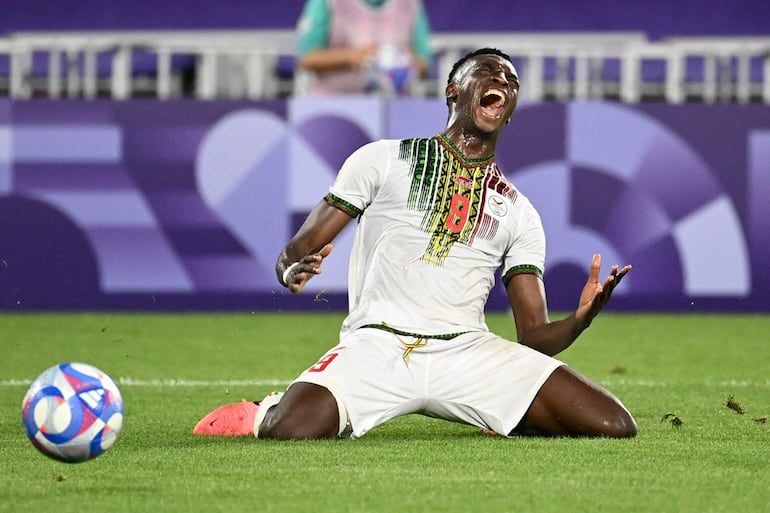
<point x="185" y="205"/>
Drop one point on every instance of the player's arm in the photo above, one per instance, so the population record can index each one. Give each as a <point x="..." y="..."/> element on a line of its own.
<point x="421" y="43"/>
<point x="526" y="294"/>
<point x="334" y="59"/>
<point x="356" y="184"/>
<point x="313" y="43"/>
<point x="302" y="257"/>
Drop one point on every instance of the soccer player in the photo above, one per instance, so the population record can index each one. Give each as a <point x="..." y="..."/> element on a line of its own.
<point x="436" y="220"/>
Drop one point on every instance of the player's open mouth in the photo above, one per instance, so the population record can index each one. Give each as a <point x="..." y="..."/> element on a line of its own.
<point x="493" y="103"/>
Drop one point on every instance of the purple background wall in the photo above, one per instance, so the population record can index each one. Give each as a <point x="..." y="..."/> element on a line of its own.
<point x="124" y="205"/>
<point x="184" y="205"/>
<point x="659" y="18"/>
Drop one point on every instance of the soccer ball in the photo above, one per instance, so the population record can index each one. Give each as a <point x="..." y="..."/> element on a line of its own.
<point x="73" y="412"/>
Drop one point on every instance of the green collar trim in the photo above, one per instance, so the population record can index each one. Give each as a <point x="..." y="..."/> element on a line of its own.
<point x="449" y="145"/>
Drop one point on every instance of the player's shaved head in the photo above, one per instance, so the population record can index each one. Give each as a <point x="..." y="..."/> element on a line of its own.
<point x="481" y="51"/>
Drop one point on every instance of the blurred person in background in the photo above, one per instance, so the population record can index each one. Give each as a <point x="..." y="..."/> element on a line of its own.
<point x="349" y="47"/>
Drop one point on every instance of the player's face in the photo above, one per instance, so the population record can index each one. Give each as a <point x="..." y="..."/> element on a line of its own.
<point x="487" y="89"/>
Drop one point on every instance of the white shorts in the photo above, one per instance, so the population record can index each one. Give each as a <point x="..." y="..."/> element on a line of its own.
<point x="477" y="378"/>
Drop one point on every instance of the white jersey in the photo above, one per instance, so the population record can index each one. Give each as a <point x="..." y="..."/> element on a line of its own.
<point x="434" y="229"/>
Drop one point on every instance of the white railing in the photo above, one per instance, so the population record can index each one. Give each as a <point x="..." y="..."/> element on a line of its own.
<point x="559" y="65"/>
<point x="73" y="55"/>
<point x="242" y="64"/>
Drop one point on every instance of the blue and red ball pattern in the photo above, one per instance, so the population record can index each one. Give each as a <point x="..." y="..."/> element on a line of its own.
<point x="73" y="412"/>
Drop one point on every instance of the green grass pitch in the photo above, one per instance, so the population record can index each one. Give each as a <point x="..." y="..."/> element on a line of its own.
<point x="674" y="372"/>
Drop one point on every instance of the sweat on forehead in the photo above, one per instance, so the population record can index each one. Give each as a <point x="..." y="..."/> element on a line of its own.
<point x="482" y="51"/>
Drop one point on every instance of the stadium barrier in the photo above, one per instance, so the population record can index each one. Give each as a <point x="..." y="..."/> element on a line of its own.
<point x="258" y="64"/>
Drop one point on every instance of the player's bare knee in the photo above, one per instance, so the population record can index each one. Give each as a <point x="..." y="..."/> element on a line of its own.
<point x="621" y="425"/>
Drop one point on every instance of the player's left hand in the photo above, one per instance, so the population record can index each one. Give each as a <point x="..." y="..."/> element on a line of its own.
<point x="596" y="294"/>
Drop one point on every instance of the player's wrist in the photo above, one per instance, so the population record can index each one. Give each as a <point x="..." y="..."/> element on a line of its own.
<point x="580" y="322"/>
<point x="286" y="272"/>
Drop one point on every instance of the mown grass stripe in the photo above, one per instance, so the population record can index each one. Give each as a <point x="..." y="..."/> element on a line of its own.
<point x="131" y="382"/>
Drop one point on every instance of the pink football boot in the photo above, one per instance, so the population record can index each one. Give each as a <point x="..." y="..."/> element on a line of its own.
<point x="234" y="419"/>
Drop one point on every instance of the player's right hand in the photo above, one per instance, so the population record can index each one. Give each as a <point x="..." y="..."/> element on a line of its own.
<point x="306" y="268"/>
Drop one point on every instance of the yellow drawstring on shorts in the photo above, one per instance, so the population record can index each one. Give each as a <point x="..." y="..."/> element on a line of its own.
<point x="419" y="342"/>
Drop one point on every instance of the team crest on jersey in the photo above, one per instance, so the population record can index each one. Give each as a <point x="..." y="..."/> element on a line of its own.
<point x="496" y="205"/>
